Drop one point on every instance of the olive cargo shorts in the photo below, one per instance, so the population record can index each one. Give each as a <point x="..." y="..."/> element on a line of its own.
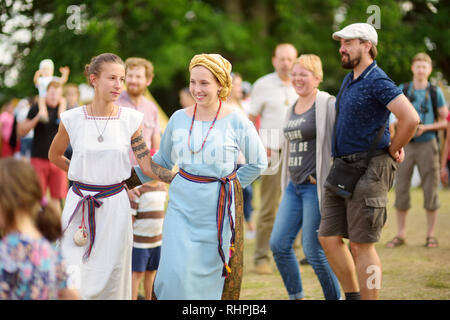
<point x="361" y="217"/>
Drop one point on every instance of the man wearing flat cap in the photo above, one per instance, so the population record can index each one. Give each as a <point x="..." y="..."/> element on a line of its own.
<point x="363" y="105"/>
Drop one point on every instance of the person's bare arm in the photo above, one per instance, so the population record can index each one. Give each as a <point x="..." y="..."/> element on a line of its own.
<point x="37" y="74"/>
<point x="392" y="128"/>
<point x="156" y="140"/>
<point x="27" y="125"/>
<point x="148" y="167"/>
<point x="407" y="122"/>
<point x="65" y="71"/>
<point x="440" y="124"/>
<point x="58" y="147"/>
<point x="62" y="106"/>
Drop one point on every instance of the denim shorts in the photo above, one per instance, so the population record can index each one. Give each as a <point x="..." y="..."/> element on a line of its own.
<point x="361" y="217"/>
<point x="145" y="259"/>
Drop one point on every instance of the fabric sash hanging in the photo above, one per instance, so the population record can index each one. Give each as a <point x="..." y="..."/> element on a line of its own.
<point x="223" y="208"/>
<point x="92" y="202"/>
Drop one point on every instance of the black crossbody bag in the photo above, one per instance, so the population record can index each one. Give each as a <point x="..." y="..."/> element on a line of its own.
<point x="344" y="176"/>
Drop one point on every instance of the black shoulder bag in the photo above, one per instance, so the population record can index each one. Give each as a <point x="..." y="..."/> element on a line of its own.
<point x="344" y="176"/>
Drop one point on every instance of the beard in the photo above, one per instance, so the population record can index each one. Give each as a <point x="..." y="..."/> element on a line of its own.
<point x="350" y="63"/>
<point x="136" y="90"/>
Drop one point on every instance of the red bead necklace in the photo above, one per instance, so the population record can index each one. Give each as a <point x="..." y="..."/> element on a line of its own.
<point x="192" y="124"/>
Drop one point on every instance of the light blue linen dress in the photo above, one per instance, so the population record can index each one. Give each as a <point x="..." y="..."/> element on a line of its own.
<point x="190" y="265"/>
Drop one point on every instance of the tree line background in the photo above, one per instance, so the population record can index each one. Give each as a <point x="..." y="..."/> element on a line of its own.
<point x="169" y="33"/>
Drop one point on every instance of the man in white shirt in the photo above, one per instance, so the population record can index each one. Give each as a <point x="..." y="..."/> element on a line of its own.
<point x="271" y="97"/>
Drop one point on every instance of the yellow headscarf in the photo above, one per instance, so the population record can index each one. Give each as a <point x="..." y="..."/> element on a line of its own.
<point x="219" y="66"/>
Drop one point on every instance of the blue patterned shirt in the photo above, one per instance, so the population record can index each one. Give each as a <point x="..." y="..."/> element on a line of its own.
<point x="362" y="110"/>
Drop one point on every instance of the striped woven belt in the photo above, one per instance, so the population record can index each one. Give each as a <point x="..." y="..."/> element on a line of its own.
<point x="223" y="208"/>
<point x="92" y="202"/>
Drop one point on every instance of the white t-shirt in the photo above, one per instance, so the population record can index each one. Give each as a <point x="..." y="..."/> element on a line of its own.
<point x="271" y="99"/>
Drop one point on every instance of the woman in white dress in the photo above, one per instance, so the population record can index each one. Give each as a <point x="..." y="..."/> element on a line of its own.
<point x="97" y="240"/>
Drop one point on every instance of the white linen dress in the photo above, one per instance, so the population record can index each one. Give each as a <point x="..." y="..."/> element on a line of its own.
<point x="107" y="273"/>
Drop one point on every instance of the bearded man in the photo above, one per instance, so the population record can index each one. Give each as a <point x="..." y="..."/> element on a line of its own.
<point x="364" y="103"/>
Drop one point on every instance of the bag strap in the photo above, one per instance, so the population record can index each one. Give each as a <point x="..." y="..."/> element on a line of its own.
<point x="405" y="89"/>
<point x="431" y="92"/>
<point x="337" y="111"/>
<point x="374" y="144"/>
<point x="433" y="96"/>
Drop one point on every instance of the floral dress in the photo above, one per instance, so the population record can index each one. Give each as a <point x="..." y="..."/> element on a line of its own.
<point x="30" y="268"/>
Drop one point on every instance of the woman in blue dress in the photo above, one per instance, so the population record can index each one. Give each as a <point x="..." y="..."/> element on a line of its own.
<point x="200" y="223"/>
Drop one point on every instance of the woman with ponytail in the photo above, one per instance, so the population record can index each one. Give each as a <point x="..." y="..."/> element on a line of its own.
<point x="96" y="221"/>
<point x="30" y="266"/>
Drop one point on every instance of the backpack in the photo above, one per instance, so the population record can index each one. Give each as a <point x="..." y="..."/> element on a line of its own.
<point x="433" y="95"/>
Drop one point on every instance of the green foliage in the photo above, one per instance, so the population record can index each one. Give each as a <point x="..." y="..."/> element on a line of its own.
<point x="244" y="31"/>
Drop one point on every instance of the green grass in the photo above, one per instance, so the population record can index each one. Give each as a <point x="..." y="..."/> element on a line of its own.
<point x="409" y="272"/>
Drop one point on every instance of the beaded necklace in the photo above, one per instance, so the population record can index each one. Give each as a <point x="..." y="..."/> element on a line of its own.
<point x="192" y="124"/>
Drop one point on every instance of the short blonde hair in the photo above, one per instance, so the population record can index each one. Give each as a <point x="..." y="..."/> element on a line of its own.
<point x="312" y="63"/>
<point x="140" y="62"/>
<point x="422" y="56"/>
<point x="55" y="84"/>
